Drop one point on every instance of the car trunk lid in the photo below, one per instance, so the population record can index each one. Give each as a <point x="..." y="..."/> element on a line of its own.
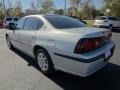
<point x="88" y="32"/>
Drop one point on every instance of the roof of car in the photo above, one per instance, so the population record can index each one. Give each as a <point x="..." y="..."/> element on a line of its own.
<point x="12" y="17"/>
<point x="44" y="15"/>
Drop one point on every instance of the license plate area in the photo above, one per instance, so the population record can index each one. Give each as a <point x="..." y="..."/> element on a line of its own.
<point x="107" y="54"/>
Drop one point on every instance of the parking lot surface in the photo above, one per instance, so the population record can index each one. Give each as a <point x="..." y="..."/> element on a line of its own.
<point x="20" y="72"/>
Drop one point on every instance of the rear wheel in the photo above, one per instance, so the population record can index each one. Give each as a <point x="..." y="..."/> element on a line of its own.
<point x="44" y="62"/>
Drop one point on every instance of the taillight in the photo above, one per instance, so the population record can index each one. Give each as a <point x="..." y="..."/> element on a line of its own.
<point x="97" y="43"/>
<point x="84" y="45"/>
<point x="89" y="44"/>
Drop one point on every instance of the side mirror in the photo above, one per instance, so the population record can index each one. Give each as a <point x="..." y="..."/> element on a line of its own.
<point x="12" y="27"/>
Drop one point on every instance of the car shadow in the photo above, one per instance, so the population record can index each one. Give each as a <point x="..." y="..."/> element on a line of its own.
<point x="116" y="30"/>
<point x="107" y="78"/>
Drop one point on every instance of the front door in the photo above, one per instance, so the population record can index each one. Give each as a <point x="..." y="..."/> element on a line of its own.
<point x="27" y="35"/>
<point x="15" y="34"/>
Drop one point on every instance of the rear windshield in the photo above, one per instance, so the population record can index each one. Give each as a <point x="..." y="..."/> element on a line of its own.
<point x="15" y="19"/>
<point x="8" y="19"/>
<point x="101" y="18"/>
<point x="63" y="22"/>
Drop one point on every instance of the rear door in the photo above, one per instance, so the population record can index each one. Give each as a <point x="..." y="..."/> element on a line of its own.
<point x="27" y="34"/>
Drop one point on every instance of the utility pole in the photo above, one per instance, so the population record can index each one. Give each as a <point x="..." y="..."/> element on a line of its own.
<point x="4" y="9"/>
<point x="38" y="5"/>
<point x="65" y="7"/>
<point x="9" y="7"/>
<point x="9" y="4"/>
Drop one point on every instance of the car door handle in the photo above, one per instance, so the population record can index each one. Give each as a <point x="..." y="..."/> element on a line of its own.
<point x="33" y="37"/>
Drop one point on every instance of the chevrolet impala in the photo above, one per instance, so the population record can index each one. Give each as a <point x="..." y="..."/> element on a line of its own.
<point x="62" y="43"/>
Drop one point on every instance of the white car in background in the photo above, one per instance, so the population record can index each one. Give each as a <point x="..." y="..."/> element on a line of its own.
<point x="109" y="22"/>
<point x="10" y="21"/>
<point x="62" y="43"/>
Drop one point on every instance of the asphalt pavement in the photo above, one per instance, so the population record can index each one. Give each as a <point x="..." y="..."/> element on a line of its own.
<point x="20" y="72"/>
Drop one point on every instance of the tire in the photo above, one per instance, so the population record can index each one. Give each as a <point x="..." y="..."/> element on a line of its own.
<point x="10" y="46"/>
<point x="110" y="27"/>
<point x="11" y="24"/>
<point x="44" y="62"/>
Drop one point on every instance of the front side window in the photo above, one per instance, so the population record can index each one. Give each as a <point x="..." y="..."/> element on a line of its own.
<point x="8" y="19"/>
<point x="63" y="22"/>
<point x="100" y="18"/>
<point x="31" y="24"/>
<point x="40" y="24"/>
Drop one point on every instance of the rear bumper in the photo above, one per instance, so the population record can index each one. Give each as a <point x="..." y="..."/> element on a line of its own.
<point x="96" y="65"/>
<point x="101" y="25"/>
<point x="107" y="27"/>
<point x="84" y="67"/>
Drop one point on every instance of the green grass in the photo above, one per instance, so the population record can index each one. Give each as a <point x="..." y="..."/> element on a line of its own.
<point x="90" y="23"/>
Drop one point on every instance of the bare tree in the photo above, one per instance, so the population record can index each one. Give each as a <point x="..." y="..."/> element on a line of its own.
<point x="87" y="9"/>
<point x="18" y="8"/>
<point x="3" y="5"/>
<point x="33" y="6"/>
<point x="74" y="5"/>
<point x="39" y="2"/>
<point x="48" y="5"/>
<point x="1" y="11"/>
<point x="0" y="5"/>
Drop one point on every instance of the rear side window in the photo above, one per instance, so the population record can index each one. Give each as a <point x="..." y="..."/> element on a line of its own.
<point x="113" y="18"/>
<point x="8" y="19"/>
<point x="63" y="22"/>
<point x="100" y="18"/>
<point x="20" y="23"/>
<point x="40" y="24"/>
<point x="31" y="24"/>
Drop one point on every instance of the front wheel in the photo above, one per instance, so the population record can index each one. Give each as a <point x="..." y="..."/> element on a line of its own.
<point x="44" y="62"/>
<point x="110" y="27"/>
<point x="9" y="43"/>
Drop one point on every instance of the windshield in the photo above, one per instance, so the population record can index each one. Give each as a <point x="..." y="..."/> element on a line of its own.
<point x="101" y="18"/>
<point x="15" y="19"/>
<point x="63" y="22"/>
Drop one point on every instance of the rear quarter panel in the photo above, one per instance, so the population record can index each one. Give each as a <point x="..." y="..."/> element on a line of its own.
<point x="64" y="43"/>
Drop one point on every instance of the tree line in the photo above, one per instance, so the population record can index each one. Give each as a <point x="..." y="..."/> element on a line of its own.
<point x="84" y="9"/>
